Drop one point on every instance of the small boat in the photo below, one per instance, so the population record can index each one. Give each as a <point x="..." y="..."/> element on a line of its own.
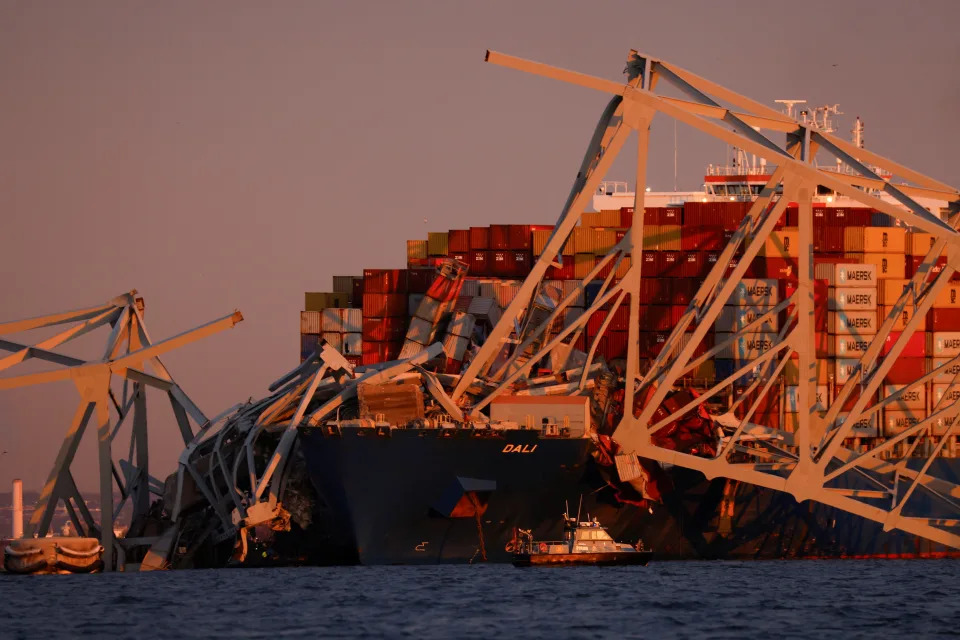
<point x="584" y="543"/>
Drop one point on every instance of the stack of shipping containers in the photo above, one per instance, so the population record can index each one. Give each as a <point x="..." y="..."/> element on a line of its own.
<point x="861" y="262"/>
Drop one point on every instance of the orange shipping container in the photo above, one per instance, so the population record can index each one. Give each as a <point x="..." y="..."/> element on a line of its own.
<point x="889" y="265"/>
<point x="669" y="237"/>
<point x="918" y="244"/>
<point x="583" y="263"/>
<point x="651" y="237"/>
<point x="782" y="243"/>
<point x="540" y="238"/>
<point x="582" y="240"/>
<point x="609" y="218"/>
<point x="949" y="297"/>
<point x="889" y="290"/>
<point x="603" y="241"/>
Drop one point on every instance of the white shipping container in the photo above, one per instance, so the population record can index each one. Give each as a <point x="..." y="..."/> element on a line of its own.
<point x="850" y="346"/>
<point x="914" y="399"/>
<point x="332" y="320"/>
<point x="430" y="309"/>
<point x="947" y="374"/>
<point x="461" y="324"/>
<point x="896" y="422"/>
<point x="791" y="394"/>
<point x="944" y="389"/>
<point x="413" y="303"/>
<point x="753" y="292"/>
<point x="732" y="319"/>
<point x="335" y="340"/>
<point x="352" y="344"/>
<point x="570" y="286"/>
<point x="485" y="308"/>
<point x="854" y="275"/>
<point x="310" y="322"/>
<point x="863" y="428"/>
<point x="946" y="344"/>
<point x="747" y="347"/>
<point x="352" y="320"/>
<point x="410" y="349"/>
<point x="852" y="299"/>
<point x="940" y="426"/>
<point x="420" y="330"/>
<point x="854" y="323"/>
<point x="845" y="369"/>
<point x="455" y="346"/>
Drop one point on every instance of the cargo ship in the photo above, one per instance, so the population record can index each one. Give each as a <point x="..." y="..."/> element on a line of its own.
<point x="404" y="481"/>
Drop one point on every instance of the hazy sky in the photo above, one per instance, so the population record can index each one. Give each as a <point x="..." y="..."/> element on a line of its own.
<point x="231" y="155"/>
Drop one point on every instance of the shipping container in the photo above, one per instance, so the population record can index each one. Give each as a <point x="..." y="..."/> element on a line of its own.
<point x="943" y="319"/>
<point x="889" y="265"/>
<point x="583" y="264"/>
<point x="461" y="324"/>
<point x="416" y="250"/>
<point x="900" y="323"/>
<point x="747" y="347"/>
<point x="669" y="237"/>
<point x="455" y="347"/>
<point x="783" y="243"/>
<point x="852" y="299"/>
<point x="946" y="344"/>
<point x="375" y="352"/>
<point x="520" y="237"/>
<point x="318" y="301"/>
<point x="459" y="240"/>
<point x="755" y="292"/>
<point x="333" y="339"/>
<point x="352" y="344"/>
<point x="896" y="422"/>
<point x="791" y="371"/>
<point x="734" y="318"/>
<point x="850" y="346"/>
<point x="310" y="322"/>
<point x="343" y="284"/>
<point x="308" y="345"/>
<point x="384" y="305"/>
<point x="853" y="323"/>
<point x="540" y="238"/>
<point x="479" y="263"/>
<point x="383" y="281"/>
<point x="331" y="321"/>
<point x="791" y="394"/>
<point x="948" y="298"/>
<point x="864" y="427"/>
<point x="851" y="275"/>
<point x="906" y="370"/>
<point x="499" y="237"/>
<point x="573" y="287"/>
<point x="912" y="399"/>
<point x="420" y="330"/>
<point x="384" y="329"/>
<point x="479" y="238"/>
<point x="919" y="244"/>
<point x="916" y="346"/>
<point x="939" y="390"/>
<point x="950" y="372"/>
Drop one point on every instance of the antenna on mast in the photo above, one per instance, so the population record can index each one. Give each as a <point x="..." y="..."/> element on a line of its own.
<point x="790" y="104"/>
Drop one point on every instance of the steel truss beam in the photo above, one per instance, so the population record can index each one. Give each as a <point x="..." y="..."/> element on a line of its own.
<point x="803" y="463"/>
<point x="127" y="352"/>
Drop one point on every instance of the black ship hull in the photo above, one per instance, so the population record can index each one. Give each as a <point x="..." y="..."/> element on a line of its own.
<point x="413" y="497"/>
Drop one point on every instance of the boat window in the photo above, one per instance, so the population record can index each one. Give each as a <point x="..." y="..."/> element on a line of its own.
<point x="720" y="189"/>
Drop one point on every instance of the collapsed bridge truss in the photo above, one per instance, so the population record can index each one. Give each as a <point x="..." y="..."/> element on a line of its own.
<point x="808" y="462"/>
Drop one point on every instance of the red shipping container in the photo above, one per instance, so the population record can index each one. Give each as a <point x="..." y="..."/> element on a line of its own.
<point x="650" y="265"/>
<point x="683" y="290"/>
<point x="479" y="238"/>
<point x="384" y="281"/>
<point x="520" y="238"/>
<point x="671" y="216"/>
<point x="453" y="366"/>
<point x="656" y="317"/>
<point x="652" y="215"/>
<point x="669" y="263"/>
<point x="792" y="215"/>
<point x="603" y="273"/>
<point x="906" y="370"/>
<point x="458" y="240"/>
<point x="375" y="352"/>
<point x="655" y="290"/>
<point x="943" y="320"/>
<point x="916" y="346"/>
<point x="520" y="263"/>
<point x="767" y="403"/>
<point x="693" y="265"/>
<point x="693" y="213"/>
<point x="821" y="292"/>
<point x="615" y="344"/>
<point x="702" y="239"/>
<point x="852" y="400"/>
<point x="779" y="268"/>
<point x="384" y="305"/>
<point x="595" y="322"/>
<point x="626" y="217"/>
<point x="384" y="329"/>
<point x="479" y="263"/>
<point x="460" y="256"/>
<point x="732" y="213"/>
<point x="563" y="272"/>
<point x="500" y="265"/>
<point x="914" y="262"/>
<point x="418" y="280"/>
<point x="676" y="313"/>
<point x="499" y="236"/>
<point x="621" y="233"/>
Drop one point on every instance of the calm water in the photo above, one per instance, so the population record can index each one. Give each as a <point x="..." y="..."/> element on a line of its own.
<point x="807" y="599"/>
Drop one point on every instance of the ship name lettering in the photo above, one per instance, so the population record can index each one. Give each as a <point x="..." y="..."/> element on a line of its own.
<point x="519" y="448"/>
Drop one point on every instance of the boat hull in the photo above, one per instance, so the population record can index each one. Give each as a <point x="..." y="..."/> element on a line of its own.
<point x="586" y="559"/>
<point x="386" y="494"/>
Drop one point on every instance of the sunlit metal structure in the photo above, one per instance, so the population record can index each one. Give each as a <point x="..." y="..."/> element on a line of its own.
<point x="805" y="463"/>
<point x="112" y="388"/>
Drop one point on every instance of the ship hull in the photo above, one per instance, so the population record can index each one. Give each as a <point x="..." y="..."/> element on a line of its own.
<point x="393" y="497"/>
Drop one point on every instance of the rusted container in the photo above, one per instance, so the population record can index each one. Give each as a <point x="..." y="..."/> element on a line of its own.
<point x="479" y="238"/>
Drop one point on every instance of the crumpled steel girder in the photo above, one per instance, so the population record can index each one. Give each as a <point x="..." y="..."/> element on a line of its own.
<point x="133" y="359"/>
<point x="807" y="462"/>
